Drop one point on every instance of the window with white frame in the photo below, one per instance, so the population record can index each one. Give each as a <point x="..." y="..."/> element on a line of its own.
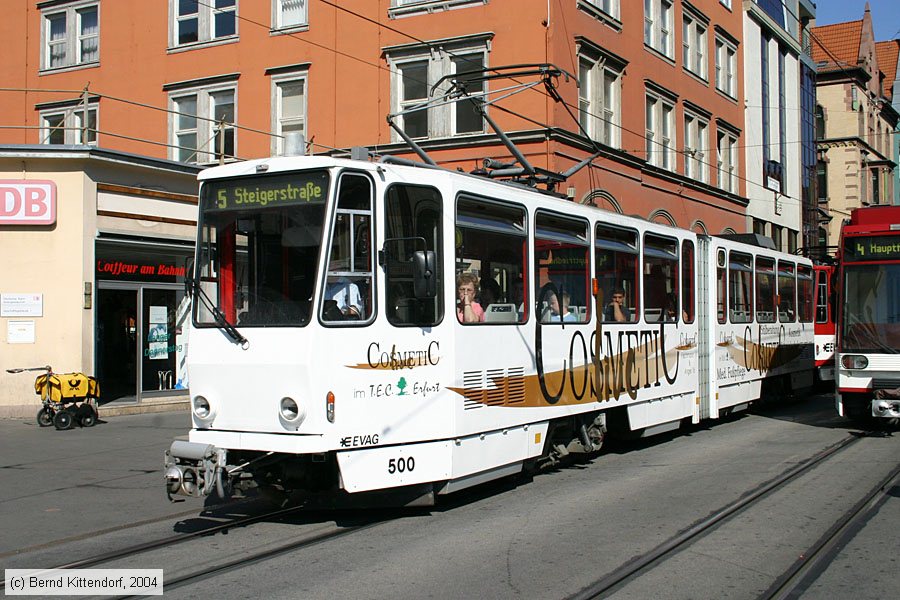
<point x="660" y="132"/>
<point x="658" y="32"/>
<point x="726" y="160"/>
<point x="289" y="110"/>
<point x="694" y="44"/>
<point x="696" y="141"/>
<point x="71" y="35"/>
<point x="196" y="21"/>
<point x="203" y="124"/>
<point x="68" y="125"/>
<point x="725" y="3"/>
<point x="415" y="70"/>
<point x="287" y="14"/>
<point x="609" y="7"/>
<point x="599" y="99"/>
<point x="726" y="67"/>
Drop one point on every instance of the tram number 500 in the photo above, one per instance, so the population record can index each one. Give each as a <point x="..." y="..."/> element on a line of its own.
<point x="401" y="465"/>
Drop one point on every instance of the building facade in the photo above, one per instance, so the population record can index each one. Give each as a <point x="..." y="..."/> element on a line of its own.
<point x="94" y="244"/>
<point x="779" y="136"/>
<point x="660" y="103"/>
<point x="855" y="123"/>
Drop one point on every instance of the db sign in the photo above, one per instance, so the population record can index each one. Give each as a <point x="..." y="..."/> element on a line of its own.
<point x="27" y="202"/>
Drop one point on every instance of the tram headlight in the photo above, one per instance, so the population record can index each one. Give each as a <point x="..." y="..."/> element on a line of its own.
<point x="290" y="413"/>
<point x="202" y="408"/>
<point x="854" y="361"/>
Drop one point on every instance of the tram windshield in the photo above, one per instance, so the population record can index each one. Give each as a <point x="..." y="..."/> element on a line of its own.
<point x="871" y="308"/>
<point x="260" y="239"/>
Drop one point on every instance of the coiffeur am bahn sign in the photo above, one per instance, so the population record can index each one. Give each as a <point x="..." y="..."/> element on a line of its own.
<point x="27" y="202"/>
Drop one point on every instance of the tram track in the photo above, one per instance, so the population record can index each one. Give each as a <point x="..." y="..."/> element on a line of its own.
<point x="809" y="565"/>
<point x="644" y="563"/>
<point x="163" y="542"/>
<point x="255" y="558"/>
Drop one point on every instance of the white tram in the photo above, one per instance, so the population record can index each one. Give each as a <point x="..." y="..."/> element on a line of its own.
<point x="330" y="351"/>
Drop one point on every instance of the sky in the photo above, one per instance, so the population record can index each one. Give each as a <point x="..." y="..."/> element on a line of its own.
<point x="885" y="15"/>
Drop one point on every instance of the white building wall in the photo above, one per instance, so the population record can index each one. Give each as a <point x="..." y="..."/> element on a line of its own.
<point x="762" y="200"/>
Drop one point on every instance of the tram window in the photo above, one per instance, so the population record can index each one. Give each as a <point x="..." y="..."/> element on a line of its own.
<point x="616" y="269"/>
<point x="740" y="288"/>
<point x="412" y="224"/>
<point x="348" y="292"/>
<point x="721" y="286"/>
<point x="660" y="279"/>
<point x="822" y="296"/>
<point x="804" y="294"/>
<point x="490" y="256"/>
<point x="765" y="290"/>
<point x="561" y="255"/>
<point x="687" y="281"/>
<point x="259" y="262"/>
<point x="787" y="291"/>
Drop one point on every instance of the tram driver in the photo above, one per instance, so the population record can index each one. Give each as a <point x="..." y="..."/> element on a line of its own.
<point x="342" y="294"/>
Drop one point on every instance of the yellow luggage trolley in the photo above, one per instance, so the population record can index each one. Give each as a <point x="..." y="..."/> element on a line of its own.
<point x="66" y="398"/>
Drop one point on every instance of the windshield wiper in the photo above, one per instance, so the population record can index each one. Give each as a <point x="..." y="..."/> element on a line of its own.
<point x="219" y="318"/>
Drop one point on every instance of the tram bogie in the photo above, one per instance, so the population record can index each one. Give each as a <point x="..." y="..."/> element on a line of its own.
<point x="362" y="327"/>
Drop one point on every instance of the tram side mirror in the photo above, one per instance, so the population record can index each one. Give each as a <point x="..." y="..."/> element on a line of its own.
<point x="424" y="276"/>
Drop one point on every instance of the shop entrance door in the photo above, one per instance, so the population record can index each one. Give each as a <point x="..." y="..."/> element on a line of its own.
<point x="140" y="353"/>
<point x="116" y="352"/>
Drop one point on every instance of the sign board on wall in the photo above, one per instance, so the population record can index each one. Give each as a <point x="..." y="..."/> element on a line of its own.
<point x="27" y="202"/>
<point x="21" y="305"/>
<point x="20" y="332"/>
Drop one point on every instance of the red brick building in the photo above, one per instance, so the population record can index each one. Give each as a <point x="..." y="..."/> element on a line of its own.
<point x="661" y="95"/>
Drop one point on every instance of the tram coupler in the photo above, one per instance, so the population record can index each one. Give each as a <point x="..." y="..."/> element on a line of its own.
<point x="886" y="403"/>
<point x="194" y="469"/>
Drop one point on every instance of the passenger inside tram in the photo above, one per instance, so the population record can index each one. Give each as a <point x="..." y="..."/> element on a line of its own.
<point x="467" y="309"/>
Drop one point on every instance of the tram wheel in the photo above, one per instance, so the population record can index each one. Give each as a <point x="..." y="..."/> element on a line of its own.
<point x="45" y="417"/>
<point x="63" y="420"/>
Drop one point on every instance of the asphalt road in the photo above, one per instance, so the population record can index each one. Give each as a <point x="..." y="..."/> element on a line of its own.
<point x="549" y="537"/>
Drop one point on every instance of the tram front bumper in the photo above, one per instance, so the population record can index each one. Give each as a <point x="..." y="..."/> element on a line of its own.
<point x="194" y="469"/>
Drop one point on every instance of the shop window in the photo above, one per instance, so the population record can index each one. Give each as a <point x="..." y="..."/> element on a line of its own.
<point x="765" y="290"/>
<point x="561" y="273"/>
<point x="348" y="293"/>
<point x="412" y="231"/>
<point x="490" y="256"/>
<point x="787" y="292"/>
<point x="616" y="270"/>
<point x="740" y="289"/>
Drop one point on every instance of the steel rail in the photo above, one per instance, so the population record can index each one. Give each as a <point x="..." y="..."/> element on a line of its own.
<point x="252" y="559"/>
<point x="169" y="541"/>
<point x="811" y="562"/>
<point x="640" y="563"/>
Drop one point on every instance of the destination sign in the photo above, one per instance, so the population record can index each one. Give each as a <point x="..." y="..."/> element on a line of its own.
<point x="881" y="247"/>
<point x="266" y="192"/>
